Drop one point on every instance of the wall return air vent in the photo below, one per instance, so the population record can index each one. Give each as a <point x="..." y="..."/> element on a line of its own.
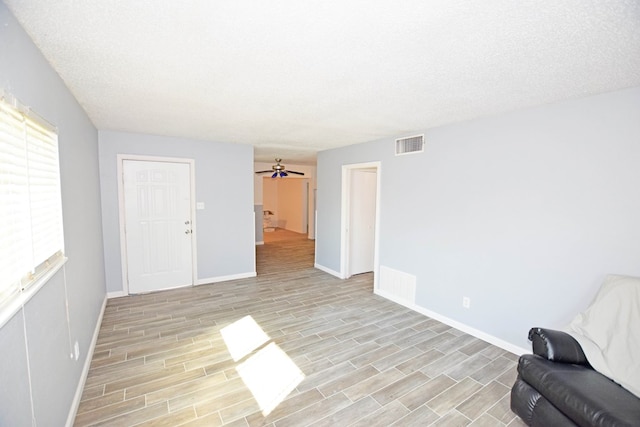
<point x="412" y="144"/>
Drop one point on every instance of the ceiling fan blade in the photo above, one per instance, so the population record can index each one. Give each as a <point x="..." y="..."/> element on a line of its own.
<point x="264" y="171"/>
<point x="294" y="172"/>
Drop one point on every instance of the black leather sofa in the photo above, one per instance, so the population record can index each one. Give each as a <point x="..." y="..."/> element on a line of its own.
<point x="557" y="387"/>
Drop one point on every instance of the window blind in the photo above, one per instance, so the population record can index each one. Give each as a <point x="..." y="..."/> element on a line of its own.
<point x="31" y="236"/>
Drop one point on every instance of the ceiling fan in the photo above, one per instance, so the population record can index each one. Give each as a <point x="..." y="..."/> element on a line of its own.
<point x="280" y="170"/>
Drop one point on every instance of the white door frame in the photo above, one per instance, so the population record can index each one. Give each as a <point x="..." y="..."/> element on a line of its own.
<point x="347" y="170"/>
<point x="123" y="243"/>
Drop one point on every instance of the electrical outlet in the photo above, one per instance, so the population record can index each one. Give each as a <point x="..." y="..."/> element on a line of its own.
<point x="466" y="302"/>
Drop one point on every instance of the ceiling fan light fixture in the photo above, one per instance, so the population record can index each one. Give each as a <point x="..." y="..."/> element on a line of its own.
<point x="279" y="170"/>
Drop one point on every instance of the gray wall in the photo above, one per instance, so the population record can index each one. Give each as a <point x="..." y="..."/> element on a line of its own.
<point x="525" y="213"/>
<point x="224" y="182"/>
<point x="80" y="285"/>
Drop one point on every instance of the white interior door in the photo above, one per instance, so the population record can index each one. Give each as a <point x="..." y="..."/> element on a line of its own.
<point x="158" y="225"/>
<point x="362" y="220"/>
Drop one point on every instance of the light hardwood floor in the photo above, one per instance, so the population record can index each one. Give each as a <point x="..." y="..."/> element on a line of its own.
<point x="316" y="351"/>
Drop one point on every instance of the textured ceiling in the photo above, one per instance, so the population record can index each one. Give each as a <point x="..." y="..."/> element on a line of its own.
<point x="295" y="77"/>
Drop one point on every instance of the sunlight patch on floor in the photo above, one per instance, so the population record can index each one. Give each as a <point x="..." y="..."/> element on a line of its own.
<point x="269" y="374"/>
<point x="242" y="337"/>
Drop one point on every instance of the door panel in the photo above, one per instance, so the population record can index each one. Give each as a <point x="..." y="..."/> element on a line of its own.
<point x="362" y="221"/>
<point x="157" y="207"/>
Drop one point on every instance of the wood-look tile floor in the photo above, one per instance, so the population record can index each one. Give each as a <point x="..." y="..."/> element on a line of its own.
<point x="309" y="349"/>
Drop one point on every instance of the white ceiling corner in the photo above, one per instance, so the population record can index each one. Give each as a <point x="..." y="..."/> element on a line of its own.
<point x="293" y="78"/>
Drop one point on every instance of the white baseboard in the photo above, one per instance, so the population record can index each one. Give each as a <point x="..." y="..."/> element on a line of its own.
<point x="328" y="270"/>
<point x="261" y="242"/>
<point x="455" y="324"/>
<point x="85" y="369"/>
<point x="205" y="281"/>
<point x="116" y="294"/>
<point x="225" y="278"/>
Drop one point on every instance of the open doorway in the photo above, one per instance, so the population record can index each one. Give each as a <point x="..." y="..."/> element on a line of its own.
<point x="360" y="219"/>
<point x="285" y="223"/>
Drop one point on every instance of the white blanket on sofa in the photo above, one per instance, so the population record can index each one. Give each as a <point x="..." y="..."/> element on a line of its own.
<point x="609" y="331"/>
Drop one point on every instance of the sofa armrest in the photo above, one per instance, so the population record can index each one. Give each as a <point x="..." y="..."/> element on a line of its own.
<point x="557" y="346"/>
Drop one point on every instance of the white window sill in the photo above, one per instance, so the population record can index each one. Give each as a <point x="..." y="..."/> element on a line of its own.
<point x="18" y="301"/>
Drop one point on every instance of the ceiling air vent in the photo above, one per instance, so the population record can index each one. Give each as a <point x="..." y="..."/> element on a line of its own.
<point x="412" y="144"/>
